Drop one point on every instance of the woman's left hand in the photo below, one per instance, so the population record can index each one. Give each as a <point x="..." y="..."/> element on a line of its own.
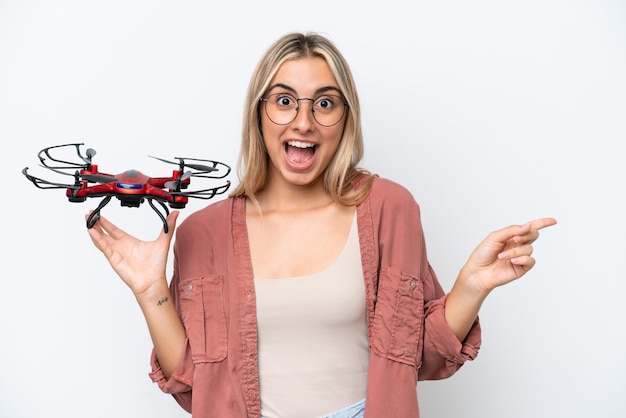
<point x="504" y="255"/>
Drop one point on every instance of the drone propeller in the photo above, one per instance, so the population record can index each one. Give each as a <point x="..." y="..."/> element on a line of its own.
<point x="182" y="163"/>
<point x="175" y="184"/>
<point x="93" y="178"/>
<point x="199" y="167"/>
<point x="97" y="178"/>
<point x="89" y="154"/>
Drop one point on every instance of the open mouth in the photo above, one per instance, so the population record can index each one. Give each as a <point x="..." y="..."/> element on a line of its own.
<point x="299" y="152"/>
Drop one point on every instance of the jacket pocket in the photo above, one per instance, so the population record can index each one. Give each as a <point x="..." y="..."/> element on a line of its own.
<point x="202" y="312"/>
<point x="397" y="331"/>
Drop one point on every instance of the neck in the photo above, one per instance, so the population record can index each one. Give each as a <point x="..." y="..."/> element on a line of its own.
<point x="287" y="197"/>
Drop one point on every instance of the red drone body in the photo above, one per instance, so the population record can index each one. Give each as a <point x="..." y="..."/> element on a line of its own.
<point x="131" y="187"/>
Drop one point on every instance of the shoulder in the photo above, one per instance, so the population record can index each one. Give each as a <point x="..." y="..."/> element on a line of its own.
<point x="387" y="186"/>
<point x="388" y="192"/>
<point x="209" y="217"/>
<point x="203" y="241"/>
<point x="390" y="201"/>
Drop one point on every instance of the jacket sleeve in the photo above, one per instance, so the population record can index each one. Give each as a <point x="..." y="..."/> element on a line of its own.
<point x="443" y="354"/>
<point x="179" y="383"/>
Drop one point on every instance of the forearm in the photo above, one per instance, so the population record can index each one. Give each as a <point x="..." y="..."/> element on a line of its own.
<point x="166" y="329"/>
<point x="462" y="306"/>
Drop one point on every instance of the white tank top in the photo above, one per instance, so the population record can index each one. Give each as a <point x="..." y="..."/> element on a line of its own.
<point x="313" y="347"/>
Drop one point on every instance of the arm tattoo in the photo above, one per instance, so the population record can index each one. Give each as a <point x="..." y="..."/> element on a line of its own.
<point x="163" y="300"/>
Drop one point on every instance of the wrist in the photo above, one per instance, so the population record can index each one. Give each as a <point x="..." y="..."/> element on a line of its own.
<point x="470" y="284"/>
<point x="154" y="293"/>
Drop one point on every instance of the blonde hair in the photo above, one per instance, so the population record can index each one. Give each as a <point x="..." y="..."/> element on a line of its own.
<point x="343" y="170"/>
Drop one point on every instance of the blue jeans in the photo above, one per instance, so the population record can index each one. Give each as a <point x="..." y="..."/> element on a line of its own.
<point x="353" y="411"/>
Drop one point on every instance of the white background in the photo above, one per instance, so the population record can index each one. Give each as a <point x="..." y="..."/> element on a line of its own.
<point x="490" y="112"/>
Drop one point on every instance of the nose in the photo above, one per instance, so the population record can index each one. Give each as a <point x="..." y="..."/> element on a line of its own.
<point x="304" y="120"/>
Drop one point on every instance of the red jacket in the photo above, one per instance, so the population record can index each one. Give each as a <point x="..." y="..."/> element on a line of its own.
<point x="213" y="289"/>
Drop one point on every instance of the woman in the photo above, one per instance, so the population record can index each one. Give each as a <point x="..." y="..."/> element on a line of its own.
<point x="308" y="292"/>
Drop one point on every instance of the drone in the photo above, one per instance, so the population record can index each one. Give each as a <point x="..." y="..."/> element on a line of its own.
<point x="131" y="187"/>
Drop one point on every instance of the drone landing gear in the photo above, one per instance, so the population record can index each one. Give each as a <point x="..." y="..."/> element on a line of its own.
<point x="167" y="212"/>
<point x="94" y="216"/>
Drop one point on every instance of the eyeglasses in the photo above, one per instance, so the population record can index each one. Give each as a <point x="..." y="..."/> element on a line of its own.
<point x="282" y="108"/>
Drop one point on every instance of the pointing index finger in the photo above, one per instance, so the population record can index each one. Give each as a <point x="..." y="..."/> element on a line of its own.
<point x="542" y="223"/>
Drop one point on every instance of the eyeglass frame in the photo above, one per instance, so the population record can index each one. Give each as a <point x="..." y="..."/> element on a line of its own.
<point x="265" y="100"/>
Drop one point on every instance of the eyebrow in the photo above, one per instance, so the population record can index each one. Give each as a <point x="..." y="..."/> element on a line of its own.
<point x="318" y="91"/>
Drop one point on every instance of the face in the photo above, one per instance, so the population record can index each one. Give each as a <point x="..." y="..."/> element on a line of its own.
<point x="301" y="150"/>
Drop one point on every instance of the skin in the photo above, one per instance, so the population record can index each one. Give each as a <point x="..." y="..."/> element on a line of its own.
<point x="298" y="213"/>
<point x="306" y="77"/>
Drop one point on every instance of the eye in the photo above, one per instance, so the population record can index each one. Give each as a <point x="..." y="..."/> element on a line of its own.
<point x="324" y="102"/>
<point x="284" y="100"/>
<point x="328" y="103"/>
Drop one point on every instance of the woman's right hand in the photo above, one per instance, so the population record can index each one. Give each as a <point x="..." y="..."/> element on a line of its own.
<point x="140" y="264"/>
